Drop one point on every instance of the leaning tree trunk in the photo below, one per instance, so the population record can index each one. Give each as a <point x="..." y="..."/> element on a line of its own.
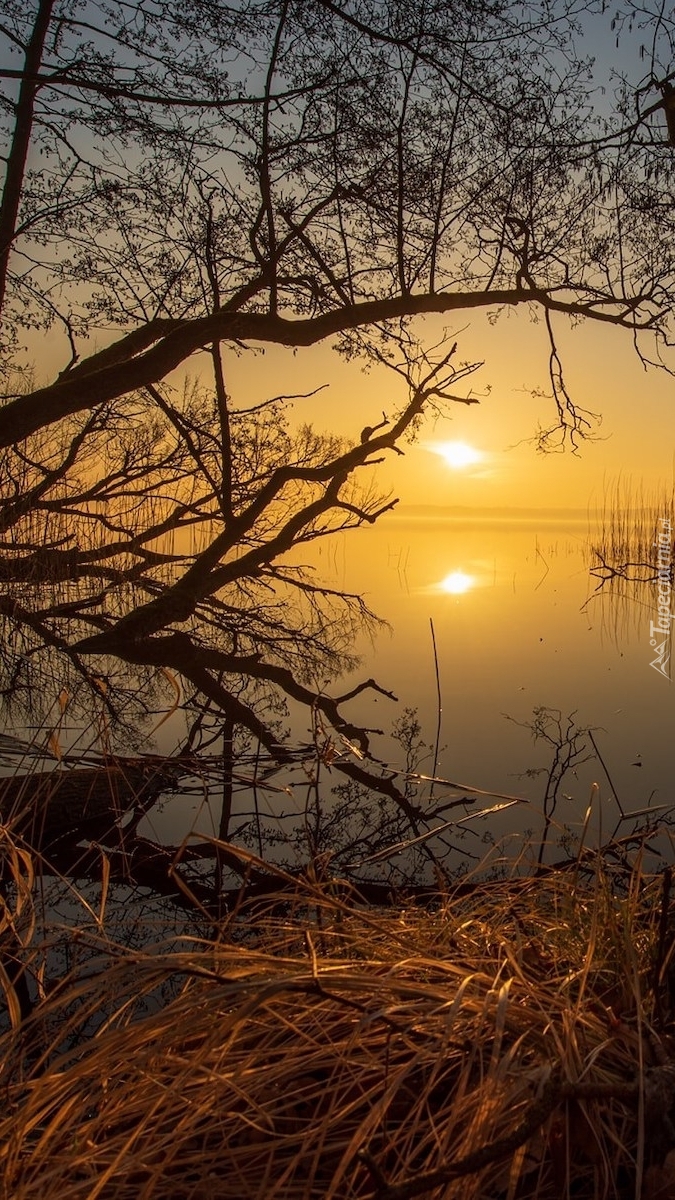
<point x="49" y="806"/>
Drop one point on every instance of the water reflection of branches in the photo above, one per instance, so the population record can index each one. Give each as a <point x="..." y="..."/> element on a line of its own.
<point x="156" y="537"/>
<point x="622" y="555"/>
<point x="568" y="748"/>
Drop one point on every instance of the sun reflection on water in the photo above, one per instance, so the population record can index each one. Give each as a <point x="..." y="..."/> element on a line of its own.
<point x="457" y="583"/>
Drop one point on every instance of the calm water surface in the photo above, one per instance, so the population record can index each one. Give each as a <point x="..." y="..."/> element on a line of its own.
<point x="517" y="627"/>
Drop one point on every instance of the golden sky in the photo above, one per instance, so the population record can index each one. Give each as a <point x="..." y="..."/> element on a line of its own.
<point x="603" y="373"/>
<point x="636" y="438"/>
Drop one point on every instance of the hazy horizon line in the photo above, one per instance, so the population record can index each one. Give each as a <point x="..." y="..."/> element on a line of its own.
<point x="494" y="510"/>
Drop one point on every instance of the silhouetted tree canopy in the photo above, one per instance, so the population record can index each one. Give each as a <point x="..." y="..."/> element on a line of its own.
<point x="185" y="182"/>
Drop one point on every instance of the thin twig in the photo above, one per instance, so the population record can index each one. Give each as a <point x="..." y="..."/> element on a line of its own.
<point x="609" y="778"/>
<point x="439" y="707"/>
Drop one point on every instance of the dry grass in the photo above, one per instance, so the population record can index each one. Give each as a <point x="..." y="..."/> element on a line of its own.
<point x="504" y="1039"/>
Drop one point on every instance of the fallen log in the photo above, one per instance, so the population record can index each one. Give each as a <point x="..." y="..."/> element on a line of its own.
<point x="45" y="807"/>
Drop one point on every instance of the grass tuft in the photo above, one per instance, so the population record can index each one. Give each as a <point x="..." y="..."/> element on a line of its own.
<point x="513" y="1041"/>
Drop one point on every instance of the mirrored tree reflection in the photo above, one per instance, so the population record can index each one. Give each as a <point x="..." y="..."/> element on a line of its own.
<point x="153" y="535"/>
<point x="145" y="574"/>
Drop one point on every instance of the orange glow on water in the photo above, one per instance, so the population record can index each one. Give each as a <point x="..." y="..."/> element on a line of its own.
<point x="457" y="583"/>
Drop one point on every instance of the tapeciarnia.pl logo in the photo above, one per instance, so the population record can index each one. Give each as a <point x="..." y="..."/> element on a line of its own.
<point x="660" y="631"/>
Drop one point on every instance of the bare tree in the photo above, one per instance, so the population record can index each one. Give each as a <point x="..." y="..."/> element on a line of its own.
<point x="173" y="558"/>
<point x="284" y="173"/>
<point x="185" y="181"/>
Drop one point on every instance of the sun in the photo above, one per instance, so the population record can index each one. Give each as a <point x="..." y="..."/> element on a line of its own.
<point x="457" y="455"/>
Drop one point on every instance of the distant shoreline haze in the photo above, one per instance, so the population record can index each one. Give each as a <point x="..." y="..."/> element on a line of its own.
<point x="492" y="513"/>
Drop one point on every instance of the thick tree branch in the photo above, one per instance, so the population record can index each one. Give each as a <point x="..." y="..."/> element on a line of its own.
<point x="82" y="389"/>
<point x="18" y="153"/>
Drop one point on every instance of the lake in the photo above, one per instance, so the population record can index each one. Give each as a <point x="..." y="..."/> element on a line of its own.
<point x="497" y="611"/>
<point x="520" y="625"/>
